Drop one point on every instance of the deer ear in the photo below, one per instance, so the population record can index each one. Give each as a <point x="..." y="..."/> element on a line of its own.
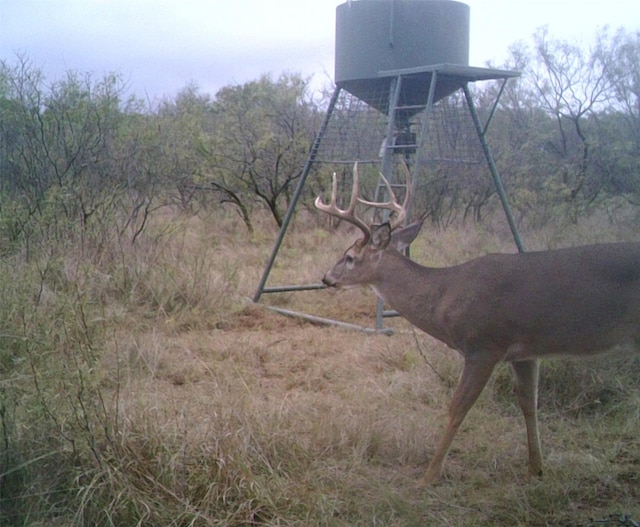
<point x="380" y="236"/>
<point x="402" y="238"/>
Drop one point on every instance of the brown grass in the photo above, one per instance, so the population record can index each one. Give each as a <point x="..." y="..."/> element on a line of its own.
<point x="217" y="411"/>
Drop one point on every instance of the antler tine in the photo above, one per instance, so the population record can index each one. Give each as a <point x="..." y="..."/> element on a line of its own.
<point x="392" y="204"/>
<point x="347" y="214"/>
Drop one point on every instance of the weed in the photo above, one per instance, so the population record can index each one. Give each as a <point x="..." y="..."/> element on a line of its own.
<point x="139" y="388"/>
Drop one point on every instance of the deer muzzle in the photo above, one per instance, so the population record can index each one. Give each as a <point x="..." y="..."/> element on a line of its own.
<point x="327" y="281"/>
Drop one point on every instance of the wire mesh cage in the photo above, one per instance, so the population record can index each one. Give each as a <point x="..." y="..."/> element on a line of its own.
<point x="438" y="142"/>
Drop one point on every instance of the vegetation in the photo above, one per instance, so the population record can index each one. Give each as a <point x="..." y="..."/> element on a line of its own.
<point x="139" y="386"/>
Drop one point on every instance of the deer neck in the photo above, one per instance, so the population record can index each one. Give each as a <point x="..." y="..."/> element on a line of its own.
<point x="404" y="284"/>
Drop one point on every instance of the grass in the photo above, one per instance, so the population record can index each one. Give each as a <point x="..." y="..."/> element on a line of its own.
<point x="143" y="388"/>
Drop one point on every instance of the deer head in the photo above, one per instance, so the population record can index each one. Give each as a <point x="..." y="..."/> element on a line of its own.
<point x="360" y="264"/>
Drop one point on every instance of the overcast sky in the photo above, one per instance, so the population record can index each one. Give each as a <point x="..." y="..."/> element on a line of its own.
<point x="159" y="46"/>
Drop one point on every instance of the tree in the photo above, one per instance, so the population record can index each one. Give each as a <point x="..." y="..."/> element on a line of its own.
<point x="184" y="125"/>
<point x="263" y="132"/>
<point x="562" y="135"/>
<point x="58" y="145"/>
<point x="619" y="154"/>
<point x="573" y="86"/>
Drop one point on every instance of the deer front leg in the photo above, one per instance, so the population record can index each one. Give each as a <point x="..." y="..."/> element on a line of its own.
<point x="526" y="378"/>
<point x="475" y="374"/>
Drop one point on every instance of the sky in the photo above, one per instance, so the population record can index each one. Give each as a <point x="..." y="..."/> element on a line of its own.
<point x="161" y="46"/>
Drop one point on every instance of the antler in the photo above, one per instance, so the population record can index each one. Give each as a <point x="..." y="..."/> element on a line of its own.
<point x="347" y="214"/>
<point x="392" y="204"/>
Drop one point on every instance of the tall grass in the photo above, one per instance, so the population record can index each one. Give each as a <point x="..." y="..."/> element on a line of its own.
<point x="139" y="387"/>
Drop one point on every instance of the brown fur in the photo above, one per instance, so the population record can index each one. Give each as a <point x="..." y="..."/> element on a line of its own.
<point x="504" y="307"/>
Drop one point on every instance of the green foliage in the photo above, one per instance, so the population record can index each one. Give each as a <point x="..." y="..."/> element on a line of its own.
<point x="566" y="134"/>
<point x="263" y="133"/>
<point x="565" y="138"/>
<point x="51" y="412"/>
<point x="63" y="447"/>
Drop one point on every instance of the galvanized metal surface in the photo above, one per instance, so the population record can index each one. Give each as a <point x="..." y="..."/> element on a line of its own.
<point x="372" y="36"/>
<point x="385" y="35"/>
<point x="330" y="322"/>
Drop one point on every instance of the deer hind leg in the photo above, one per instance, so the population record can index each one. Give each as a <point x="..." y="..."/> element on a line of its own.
<point x="526" y="380"/>
<point x="475" y="374"/>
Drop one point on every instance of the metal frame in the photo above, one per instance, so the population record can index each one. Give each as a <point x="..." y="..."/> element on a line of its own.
<point x="454" y="76"/>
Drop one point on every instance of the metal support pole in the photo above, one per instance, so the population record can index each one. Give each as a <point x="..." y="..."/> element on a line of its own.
<point x="492" y="168"/>
<point x="424" y="129"/>
<point x="330" y="321"/>
<point x="387" y="168"/>
<point x="495" y="105"/>
<point x="296" y="195"/>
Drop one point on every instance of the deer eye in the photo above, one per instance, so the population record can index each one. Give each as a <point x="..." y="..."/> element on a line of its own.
<point x="348" y="259"/>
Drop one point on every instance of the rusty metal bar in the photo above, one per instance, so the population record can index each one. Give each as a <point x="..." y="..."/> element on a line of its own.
<point x="290" y="288"/>
<point x="329" y="321"/>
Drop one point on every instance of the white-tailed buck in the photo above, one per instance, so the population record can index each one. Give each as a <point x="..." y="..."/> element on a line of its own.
<point x="516" y="308"/>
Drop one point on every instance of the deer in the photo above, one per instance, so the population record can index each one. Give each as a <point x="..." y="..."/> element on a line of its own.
<point x="515" y="308"/>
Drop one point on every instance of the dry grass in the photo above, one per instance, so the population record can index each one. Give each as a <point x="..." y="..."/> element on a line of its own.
<point x="201" y="408"/>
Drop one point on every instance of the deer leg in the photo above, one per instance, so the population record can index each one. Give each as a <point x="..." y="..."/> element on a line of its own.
<point x="475" y="374"/>
<point x="526" y="377"/>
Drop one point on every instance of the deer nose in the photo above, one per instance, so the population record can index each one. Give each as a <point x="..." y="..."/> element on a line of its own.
<point x="328" y="282"/>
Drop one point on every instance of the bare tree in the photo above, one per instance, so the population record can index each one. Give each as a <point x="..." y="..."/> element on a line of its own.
<point x="572" y="85"/>
<point x="263" y="132"/>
